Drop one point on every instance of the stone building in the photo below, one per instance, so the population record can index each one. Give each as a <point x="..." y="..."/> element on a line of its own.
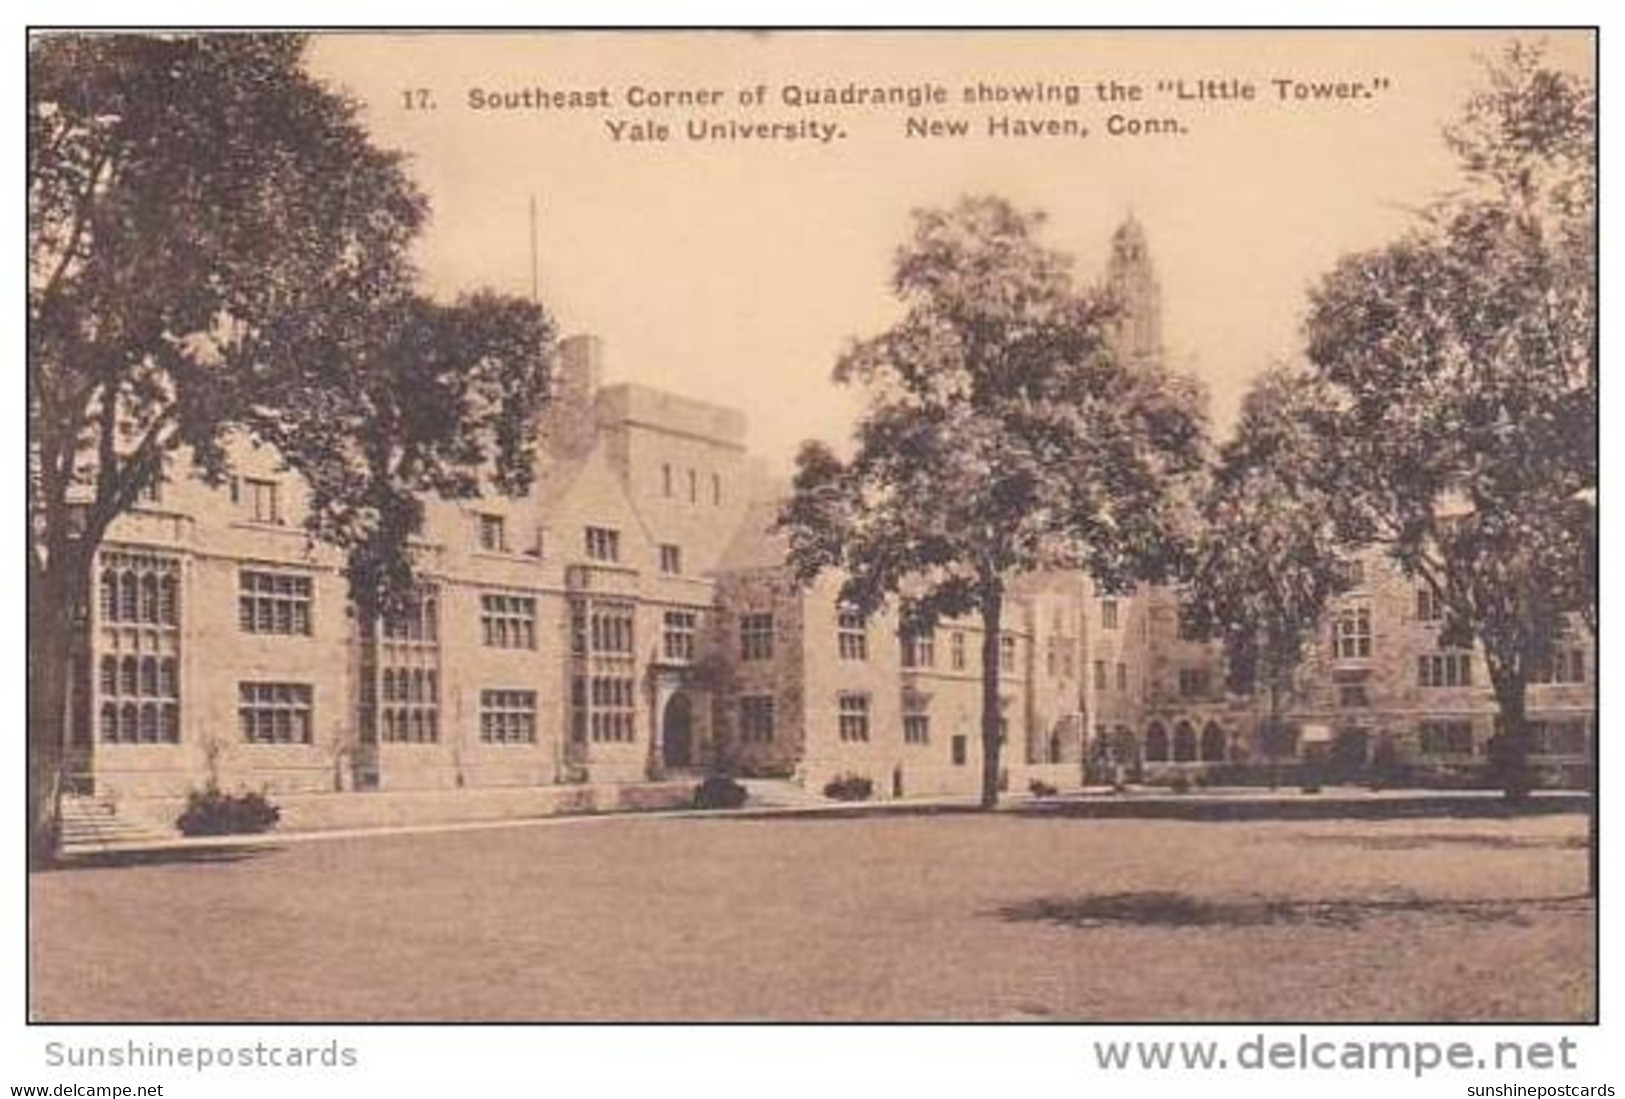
<point x="632" y="618"/>
<point x="1378" y="679"/>
<point x="554" y="638"/>
<point x="1376" y="682"/>
<point x="814" y="691"/>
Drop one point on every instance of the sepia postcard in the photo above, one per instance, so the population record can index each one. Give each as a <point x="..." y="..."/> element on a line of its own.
<point x="1051" y="526"/>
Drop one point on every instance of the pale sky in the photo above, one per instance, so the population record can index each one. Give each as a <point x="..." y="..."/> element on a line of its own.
<point x="736" y="272"/>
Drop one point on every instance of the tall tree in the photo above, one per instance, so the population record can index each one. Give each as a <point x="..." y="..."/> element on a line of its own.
<point x="217" y="251"/>
<point x="1268" y="561"/>
<point x="1002" y="436"/>
<point x="1461" y="360"/>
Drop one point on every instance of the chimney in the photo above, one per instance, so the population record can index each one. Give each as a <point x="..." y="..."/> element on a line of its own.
<point x="569" y="424"/>
<point x="581" y="363"/>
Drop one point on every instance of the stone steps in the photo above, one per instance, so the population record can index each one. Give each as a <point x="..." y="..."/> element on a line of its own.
<point x="91" y="823"/>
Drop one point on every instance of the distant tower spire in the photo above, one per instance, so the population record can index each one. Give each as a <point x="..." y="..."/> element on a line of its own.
<point x="1132" y="280"/>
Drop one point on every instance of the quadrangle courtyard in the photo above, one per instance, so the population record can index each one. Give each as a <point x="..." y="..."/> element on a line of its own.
<point x="947" y="916"/>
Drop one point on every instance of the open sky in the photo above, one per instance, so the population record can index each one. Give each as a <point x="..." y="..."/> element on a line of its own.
<point x="735" y="271"/>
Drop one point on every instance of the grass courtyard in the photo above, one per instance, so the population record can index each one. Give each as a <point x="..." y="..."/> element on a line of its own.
<point x="897" y="917"/>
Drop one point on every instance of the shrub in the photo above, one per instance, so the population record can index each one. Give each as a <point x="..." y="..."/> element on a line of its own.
<point x="1041" y="789"/>
<point x="212" y="812"/>
<point x="719" y="792"/>
<point x="849" y="788"/>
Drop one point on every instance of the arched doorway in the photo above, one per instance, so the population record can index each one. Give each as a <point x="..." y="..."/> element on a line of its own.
<point x="677" y="732"/>
<point x="1156" y="744"/>
<point x="1213" y="743"/>
<point x="1184" y="743"/>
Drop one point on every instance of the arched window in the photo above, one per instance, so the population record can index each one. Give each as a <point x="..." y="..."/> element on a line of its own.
<point x="129" y="599"/>
<point x="1184" y="742"/>
<point x="109" y="675"/>
<point x="149" y="675"/>
<point x="172" y="723"/>
<point x="129" y="724"/>
<point x="149" y="597"/>
<point x="169" y="591"/>
<point x="168" y="682"/>
<point x="110" y="721"/>
<point x="1156" y="744"/>
<point x="388" y="690"/>
<point x="149" y="723"/>
<point x="109" y="595"/>
<point x="129" y="676"/>
<point x="1213" y="743"/>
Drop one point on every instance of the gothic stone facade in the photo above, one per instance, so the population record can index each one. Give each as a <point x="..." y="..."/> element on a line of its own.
<point x="629" y="618"/>
<point x="632" y="617"/>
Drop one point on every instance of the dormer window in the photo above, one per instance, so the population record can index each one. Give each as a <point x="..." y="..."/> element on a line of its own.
<point x="493" y="533"/>
<point x="603" y="544"/>
<point x="151" y="490"/>
<point x="262" y="499"/>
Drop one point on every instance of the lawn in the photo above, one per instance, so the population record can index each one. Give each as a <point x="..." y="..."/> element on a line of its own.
<point x="957" y="916"/>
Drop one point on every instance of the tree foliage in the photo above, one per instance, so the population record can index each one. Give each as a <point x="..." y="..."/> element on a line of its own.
<point x="1461" y="363"/>
<point x="1002" y="436"/>
<point x="1268" y="561"/>
<point x="216" y="247"/>
<point x="427" y="399"/>
<point x="217" y="251"/>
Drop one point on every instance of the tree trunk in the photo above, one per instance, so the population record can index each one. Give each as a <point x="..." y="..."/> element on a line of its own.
<point x="47" y="709"/>
<point x="1273" y="736"/>
<point x="1509" y="755"/>
<point x="992" y="614"/>
<point x="1595" y="759"/>
<point x="1591" y="813"/>
<point x="51" y="647"/>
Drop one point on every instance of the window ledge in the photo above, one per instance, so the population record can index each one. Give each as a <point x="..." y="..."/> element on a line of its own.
<point x="612" y="566"/>
<point x="508" y="555"/>
<point x="267" y="528"/>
